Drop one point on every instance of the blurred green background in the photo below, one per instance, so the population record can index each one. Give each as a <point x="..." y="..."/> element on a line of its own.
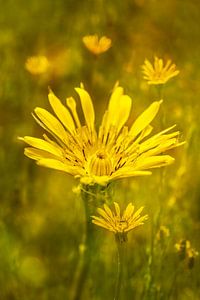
<point x="41" y="219"/>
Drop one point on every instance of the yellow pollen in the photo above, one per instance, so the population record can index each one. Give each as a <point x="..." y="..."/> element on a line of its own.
<point x="100" y="164"/>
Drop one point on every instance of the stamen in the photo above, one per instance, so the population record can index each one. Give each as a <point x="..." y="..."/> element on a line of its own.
<point x="100" y="164"/>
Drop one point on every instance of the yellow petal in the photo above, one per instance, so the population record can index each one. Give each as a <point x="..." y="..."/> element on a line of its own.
<point x="128" y="172"/>
<point x="128" y="211"/>
<point x="51" y="123"/>
<point x="87" y="107"/>
<point x="160" y="64"/>
<point x="168" y="63"/>
<point x="117" y="93"/>
<point x="154" y="162"/>
<point x="62" y="112"/>
<point x="58" y="165"/>
<point x="162" y="147"/>
<point x="117" y="209"/>
<point x="145" y="118"/>
<point x="122" y="111"/>
<point x="108" y="211"/>
<point x="118" y="110"/>
<point x="38" y="154"/>
<point x="137" y="213"/>
<point x="71" y="103"/>
<point x="103" y="225"/>
<point x="148" y="66"/>
<point x="43" y="145"/>
<point x="103" y="214"/>
<point x="157" y="140"/>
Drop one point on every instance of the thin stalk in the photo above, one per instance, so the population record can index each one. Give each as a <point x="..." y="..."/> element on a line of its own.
<point x="85" y="259"/>
<point x="149" y="274"/>
<point x="91" y="196"/>
<point x="160" y="92"/>
<point x="120" y="264"/>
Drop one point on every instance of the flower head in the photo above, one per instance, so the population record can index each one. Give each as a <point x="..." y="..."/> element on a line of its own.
<point x="159" y="73"/>
<point x="99" y="157"/>
<point x="184" y="248"/>
<point x="97" y="45"/>
<point x="37" y="64"/>
<point x="185" y="251"/>
<point x="117" y="222"/>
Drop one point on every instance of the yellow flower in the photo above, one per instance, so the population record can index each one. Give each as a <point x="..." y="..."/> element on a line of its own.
<point x="186" y="251"/>
<point x="99" y="157"/>
<point x="97" y="45"/>
<point x="158" y="73"/>
<point x="117" y="222"/>
<point x="37" y="65"/>
<point x="184" y="248"/>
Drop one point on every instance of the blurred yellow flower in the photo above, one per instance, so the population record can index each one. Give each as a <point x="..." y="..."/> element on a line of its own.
<point x="158" y="73"/>
<point x="37" y="65"/>
<point x="97" y="45"/>
<point x="117" y="222"/>
<point x="186" y="251"/>
<point x="99" y="157"/>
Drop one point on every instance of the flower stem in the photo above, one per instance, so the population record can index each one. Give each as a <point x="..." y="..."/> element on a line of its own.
<point x="91" y="196"/>
<point x="84" y="263"/>
<point x="120" y="242"/>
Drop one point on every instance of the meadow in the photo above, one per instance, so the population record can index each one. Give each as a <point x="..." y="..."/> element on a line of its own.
<point x="42" y="216"/>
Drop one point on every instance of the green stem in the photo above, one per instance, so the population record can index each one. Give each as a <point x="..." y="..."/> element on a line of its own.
<point x="84" y="264"/>
<point x="160" y="89"/>
<point x="93" y="197"/>
<point x="149" y="275"/>
<point x="120" y="242"/>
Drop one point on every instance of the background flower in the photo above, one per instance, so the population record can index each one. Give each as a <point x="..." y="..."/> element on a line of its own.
<point x="97" y="45"/>
<point x="118" y="222"/>
<point x="158" y="73"/>
<point x="37" y="64"/>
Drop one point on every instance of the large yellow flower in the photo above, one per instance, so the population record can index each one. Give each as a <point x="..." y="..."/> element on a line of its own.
<point x="99" y="157"/>
<point x="159" y="73"/>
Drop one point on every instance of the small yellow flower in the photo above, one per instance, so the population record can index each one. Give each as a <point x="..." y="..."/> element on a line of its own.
<point x="97" y="45"/>
<point x="158" y="73"/>
<point x="117" y="222"/>
<point x="37" y="65"/>
<point x="182" y="246"/>
<point x="186" y="251"/>
<point x="112" y="152"/>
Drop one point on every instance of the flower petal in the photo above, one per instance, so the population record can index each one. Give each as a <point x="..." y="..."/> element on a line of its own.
<point x="43" y="145"/>
<point x="145" y="118"/>
<point x="117" y="209"/>
<point x="62" y="112"/>
<point x="58" y="165"/>
<point x="118" y="110"/>
<point x="38" y="154"/>
<point x="128" y="172"/>
<point x="51" y="123"/>
<point x="128" y="211"/>
<point x="87" y="107"/>
<point x="153" y="162"/>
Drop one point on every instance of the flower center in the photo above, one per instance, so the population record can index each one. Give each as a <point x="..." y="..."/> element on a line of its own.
<point x="100" y="164"/>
